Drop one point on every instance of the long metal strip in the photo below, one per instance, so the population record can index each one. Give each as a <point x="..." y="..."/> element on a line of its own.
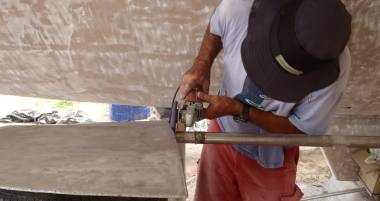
<point x="333" y="194"/>
<point x="278" y="139"/>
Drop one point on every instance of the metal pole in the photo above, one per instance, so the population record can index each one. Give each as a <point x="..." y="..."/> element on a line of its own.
<point x="333" y="194"/>
<point x="278" y="139"/>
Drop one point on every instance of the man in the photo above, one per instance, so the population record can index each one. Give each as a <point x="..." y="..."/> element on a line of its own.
<point x="285" y="69"/>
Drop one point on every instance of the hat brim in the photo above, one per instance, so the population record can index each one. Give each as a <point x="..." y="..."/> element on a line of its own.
<point x="266" y="73"/>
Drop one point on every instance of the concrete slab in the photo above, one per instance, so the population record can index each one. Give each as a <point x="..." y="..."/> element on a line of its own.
<point x="138" y="159"/>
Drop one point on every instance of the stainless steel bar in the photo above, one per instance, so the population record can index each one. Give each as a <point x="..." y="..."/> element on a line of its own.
<point x="278" y="139"/>
<point x="333" y="194"/>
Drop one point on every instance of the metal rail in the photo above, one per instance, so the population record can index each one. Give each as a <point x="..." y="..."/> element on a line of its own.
<point x="278" y="139"/>
<point x="333" y="194"/>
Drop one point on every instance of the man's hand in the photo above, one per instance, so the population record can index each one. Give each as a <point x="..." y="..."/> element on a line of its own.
<point x="198" y="76"/>
<point x="220" y="106"/>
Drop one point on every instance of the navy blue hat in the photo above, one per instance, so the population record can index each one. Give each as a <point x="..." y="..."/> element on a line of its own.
<point x="292" y="47"/>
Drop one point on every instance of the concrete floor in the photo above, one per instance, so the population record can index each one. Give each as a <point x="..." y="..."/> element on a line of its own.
<point x="313" y="176"/>
<point x="333" y="185"/>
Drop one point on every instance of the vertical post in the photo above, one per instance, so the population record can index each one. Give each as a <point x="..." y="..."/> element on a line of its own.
<point x="182" y="152"/>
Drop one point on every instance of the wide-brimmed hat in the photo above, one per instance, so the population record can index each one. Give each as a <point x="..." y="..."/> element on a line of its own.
<point x="292" y="47"/>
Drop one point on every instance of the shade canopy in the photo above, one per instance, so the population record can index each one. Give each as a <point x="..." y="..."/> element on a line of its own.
<point x="134" y="52"/>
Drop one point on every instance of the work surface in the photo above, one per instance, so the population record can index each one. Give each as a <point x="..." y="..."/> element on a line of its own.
<point x="138" y="159"/>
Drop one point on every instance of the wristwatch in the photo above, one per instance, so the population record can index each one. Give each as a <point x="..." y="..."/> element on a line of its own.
<point x="244" y="115"/>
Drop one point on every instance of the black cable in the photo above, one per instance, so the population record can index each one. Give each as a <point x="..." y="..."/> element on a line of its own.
<point x="175" y="95"/>
<point x="173" y="111"/>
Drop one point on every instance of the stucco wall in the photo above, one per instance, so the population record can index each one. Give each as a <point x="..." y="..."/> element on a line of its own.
<point x="135" y="51"/>
<point x="363" y="92"/>
<point x="131" y="52"/>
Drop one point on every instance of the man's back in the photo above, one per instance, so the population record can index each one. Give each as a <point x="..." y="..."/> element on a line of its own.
<point x="311" y="115"/>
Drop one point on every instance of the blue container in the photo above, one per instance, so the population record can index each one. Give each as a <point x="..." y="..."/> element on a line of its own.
<point x="128" y="112"/>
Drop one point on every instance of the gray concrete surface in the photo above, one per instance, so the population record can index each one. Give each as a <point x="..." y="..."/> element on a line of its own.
<point x="139" y="159"/>
<point x="331" y="186"/>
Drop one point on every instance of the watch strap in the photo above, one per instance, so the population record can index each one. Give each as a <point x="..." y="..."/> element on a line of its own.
<point x="244" y="115"/>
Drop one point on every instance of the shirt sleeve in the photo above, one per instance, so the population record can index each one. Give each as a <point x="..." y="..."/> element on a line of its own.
<point x="316" y="111"/>
<point x="218" y="20"/>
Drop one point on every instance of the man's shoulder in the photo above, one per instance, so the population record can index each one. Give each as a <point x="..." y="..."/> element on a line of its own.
<point x="335" y="89"/>
<point x="233" y="9"/>
<point x="345" y="62"/>
<point x="345" y="69"/>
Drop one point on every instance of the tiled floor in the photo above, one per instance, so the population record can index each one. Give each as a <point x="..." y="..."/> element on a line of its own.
<point x="331" y="186"/>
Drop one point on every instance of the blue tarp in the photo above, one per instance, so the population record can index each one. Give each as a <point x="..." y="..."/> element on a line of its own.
<point x="128" y="112"/>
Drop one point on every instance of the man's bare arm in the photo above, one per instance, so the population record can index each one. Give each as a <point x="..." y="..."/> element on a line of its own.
<point x="223" y="106"/>
<point x="272" y="123"/>
<point x="198" y="76"/>
<point x="210" y="48"/>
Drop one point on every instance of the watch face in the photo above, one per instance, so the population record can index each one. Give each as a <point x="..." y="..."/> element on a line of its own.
<point x="239" y="119"/>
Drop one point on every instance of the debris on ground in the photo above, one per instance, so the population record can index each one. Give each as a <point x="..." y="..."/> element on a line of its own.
<point x="53" y="117"/>
<point x="374" y="156"/>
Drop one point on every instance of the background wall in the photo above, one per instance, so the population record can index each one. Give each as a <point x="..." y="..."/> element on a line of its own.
<point x="135" y="51"/>
<point x="131" y="52"/>
<point x="363" y="92"/>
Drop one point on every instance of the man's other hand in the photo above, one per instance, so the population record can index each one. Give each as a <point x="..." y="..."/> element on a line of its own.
<point x="198" y="76"/>
<point x="219" y="106"/>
